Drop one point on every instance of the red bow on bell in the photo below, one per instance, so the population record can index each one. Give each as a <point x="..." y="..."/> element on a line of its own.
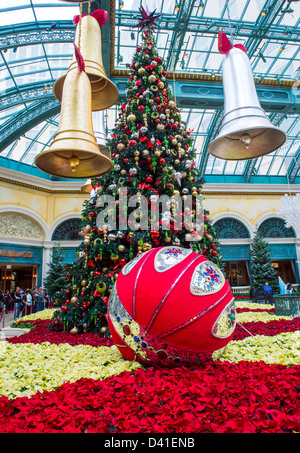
<point x="99" y="14"/>
<point x="224" y="45"/>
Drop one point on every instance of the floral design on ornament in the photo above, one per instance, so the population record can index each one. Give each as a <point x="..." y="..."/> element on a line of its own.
<point x="207" y="279"/>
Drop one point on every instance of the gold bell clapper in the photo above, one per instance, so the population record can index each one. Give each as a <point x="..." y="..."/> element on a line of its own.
<point x="246" y="132"/>
<point x="88" y="39"/>
<point x="74" y="152"/>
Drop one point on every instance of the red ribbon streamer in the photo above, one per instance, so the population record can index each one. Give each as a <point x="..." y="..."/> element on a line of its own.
<point x="224" y="45"/>
<point x="79" y="58"/>
<point x="99" y="14"/>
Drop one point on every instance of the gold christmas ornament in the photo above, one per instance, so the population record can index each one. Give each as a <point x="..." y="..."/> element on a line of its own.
<point x="152" y="78"/>
<point x="87" y="229"/>
<point x="75" y="330"/>
<point x="74" y="299"/>
<point x="131" y="117"/>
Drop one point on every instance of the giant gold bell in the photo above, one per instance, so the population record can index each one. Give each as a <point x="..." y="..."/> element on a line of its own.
<point x="74" y="152"/>
<point x="246" y="132"/>
<point x="104" y="92"/>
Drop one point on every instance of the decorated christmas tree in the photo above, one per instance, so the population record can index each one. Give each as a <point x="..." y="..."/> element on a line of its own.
<point x="260" y="263"/>
<point x="56" y="281"/>
<point x="152" y="197"/>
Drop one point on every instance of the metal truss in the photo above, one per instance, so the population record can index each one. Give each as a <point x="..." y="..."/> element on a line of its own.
<point x="36" y="33"/>
<point x="294" y="168"/>
<point x="26" y="93"/>
<point x="211" y="26"/>
<point x="264" y="29"/>
<point x="25" y="120"/>
<point x="183" y="19"/>
<point x="189" y="94"/>
<point x="275" y="119"/>
<point x="211" y="135"/>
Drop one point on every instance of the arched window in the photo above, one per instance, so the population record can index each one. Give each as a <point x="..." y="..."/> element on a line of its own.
<point x="275" y="228"/>
<point x="67" y="231"/>
<point x="229" y="228"/>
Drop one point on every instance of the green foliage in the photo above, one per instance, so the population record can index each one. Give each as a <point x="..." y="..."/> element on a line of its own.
<point x="56" y="278"/>
<point x="261" y="267"/>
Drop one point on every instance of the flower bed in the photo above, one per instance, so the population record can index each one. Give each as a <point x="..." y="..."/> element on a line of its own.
<point x="60" y="382"/>
<point x="40" y="334"/>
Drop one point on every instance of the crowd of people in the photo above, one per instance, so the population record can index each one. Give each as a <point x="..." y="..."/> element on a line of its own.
<point x="23" y="302"/>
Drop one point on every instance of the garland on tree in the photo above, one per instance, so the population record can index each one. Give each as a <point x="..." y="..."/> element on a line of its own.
<point x="152" y="156"/>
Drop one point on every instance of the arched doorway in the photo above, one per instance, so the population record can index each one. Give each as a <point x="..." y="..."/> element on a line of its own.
<point x="235" y="255"/>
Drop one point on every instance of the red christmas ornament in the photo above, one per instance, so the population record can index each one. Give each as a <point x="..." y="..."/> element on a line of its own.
<point x="171" y="305"/>
<point x="154" y="234"/>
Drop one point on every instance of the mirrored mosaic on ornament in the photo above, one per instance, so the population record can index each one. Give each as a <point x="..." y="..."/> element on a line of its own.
<point x="124" y="325"/>
<point x="143" y="343"/>
<point x="168" y="257"/>
<point x="129" y="266"/>
<point x="207" y="279"/>
<point x="226" y="322"/>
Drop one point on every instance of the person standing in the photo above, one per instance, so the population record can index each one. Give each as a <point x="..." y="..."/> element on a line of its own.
<point x="35" y="297"/>
<point x="41" y="299"/>
<point x="8" y="301"/>
<point x="17" y="302"/>
<point x="267" y="292"/>
<point x="2" y="306"/>
<point x="28" y="301"/>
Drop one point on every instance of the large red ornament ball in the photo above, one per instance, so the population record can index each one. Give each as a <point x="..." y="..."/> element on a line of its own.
<point x="171" y="305"/>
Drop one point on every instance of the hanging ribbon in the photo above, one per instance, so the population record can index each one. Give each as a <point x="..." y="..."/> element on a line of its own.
<point x="99" y="14"/>
<point x="78" y="55"/>
<point x="79" y="58"/>
<point x="224" y="45"/>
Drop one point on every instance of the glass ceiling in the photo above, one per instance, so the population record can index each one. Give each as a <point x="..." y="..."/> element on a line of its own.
<point x="186" y="39"/>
